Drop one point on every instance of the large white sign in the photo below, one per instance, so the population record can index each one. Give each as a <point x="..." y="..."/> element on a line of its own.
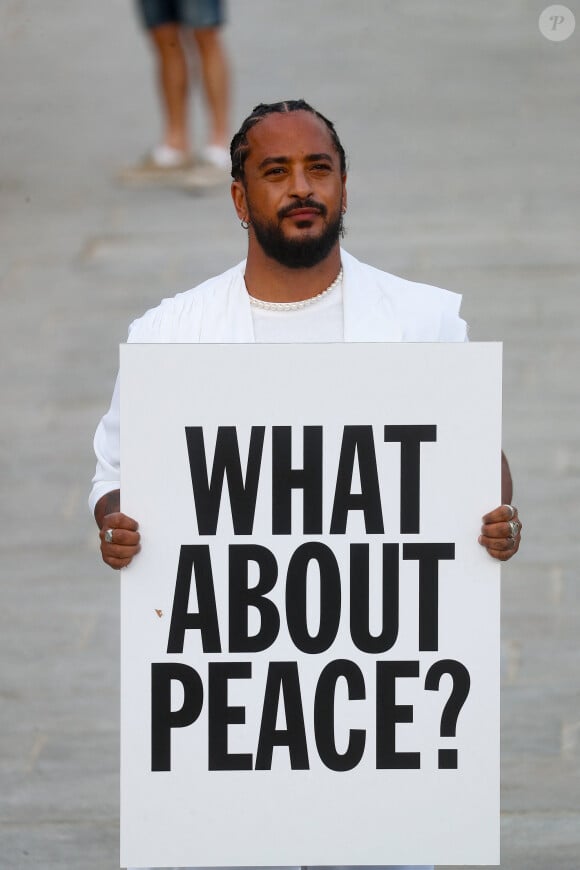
<point x="310" y="635"/>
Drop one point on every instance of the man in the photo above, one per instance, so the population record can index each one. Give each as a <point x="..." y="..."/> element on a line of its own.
<point x="297" y="284"/>
<point x="172" y="25"/>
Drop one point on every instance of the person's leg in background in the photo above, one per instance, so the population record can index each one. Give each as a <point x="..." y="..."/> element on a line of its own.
<point x="173" y="81"/>
<point x="171" y="156"/>
<point x="216" y="86"/>
<point x="205" y="18"/>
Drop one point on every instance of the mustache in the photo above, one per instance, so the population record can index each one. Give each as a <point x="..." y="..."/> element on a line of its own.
<point x="302" y="203"/>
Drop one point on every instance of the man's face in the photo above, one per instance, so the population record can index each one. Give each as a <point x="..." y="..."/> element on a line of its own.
<point x="293" y="191"/>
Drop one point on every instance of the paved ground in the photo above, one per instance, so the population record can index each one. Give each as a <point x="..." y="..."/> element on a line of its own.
<point x="462" y="125"/>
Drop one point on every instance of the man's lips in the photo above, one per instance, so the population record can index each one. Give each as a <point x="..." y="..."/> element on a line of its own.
<point x="303" y="212"/>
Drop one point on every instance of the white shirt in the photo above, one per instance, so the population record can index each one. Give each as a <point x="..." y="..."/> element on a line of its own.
<point x="321" y="321"/>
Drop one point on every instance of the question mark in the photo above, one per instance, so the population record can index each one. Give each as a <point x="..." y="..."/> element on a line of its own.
<point x="461" y="684"/>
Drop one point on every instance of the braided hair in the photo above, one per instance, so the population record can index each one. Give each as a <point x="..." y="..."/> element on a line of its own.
<point x="239" y="147"/>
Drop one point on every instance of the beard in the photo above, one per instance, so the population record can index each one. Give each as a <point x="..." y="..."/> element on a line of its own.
<point x="297" y="253"/>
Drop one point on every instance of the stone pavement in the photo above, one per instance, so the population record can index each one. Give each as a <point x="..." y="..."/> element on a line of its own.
<point x="462" y="125"/>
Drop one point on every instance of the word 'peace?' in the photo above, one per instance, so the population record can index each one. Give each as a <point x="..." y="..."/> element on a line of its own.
<point x="357" y="461"/>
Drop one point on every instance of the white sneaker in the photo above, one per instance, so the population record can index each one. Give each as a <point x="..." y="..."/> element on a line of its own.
<point x="216" y="155"/>
<point x="212" y="171"/>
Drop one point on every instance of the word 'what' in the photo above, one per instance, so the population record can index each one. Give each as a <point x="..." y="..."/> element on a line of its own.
<point x="357" y="451"/>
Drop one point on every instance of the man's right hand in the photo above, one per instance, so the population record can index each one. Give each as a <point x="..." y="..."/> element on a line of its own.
<point x="120" y="539"/>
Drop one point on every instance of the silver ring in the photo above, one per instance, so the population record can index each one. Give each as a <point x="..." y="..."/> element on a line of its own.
<point x="512" y="510"/>
<point x="515" y="526"/>
<point x="109" y="536"/>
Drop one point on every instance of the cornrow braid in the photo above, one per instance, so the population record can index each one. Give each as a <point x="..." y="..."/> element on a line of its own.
<point x="239" y="146"/>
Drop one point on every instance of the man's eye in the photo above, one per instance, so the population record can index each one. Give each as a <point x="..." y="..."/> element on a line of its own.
<point x="321" y="167"/>
<point x="276" y="170"/>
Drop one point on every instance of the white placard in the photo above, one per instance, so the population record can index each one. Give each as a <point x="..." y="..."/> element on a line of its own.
<point x="345" y="708"/>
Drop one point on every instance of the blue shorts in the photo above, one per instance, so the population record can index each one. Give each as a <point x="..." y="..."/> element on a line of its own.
<point x="190" y="13"/>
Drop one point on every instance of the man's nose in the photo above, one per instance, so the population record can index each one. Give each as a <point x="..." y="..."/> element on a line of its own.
<point x="301" y="185"/>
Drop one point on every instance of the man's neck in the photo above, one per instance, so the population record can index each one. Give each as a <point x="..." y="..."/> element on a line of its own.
<point x="268" y="280"/>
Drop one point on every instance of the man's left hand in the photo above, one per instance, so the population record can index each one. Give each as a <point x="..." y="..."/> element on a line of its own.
<point x="501" y="532"/>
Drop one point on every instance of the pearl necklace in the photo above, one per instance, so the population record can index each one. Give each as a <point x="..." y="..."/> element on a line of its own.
<point x="294" y="306"/>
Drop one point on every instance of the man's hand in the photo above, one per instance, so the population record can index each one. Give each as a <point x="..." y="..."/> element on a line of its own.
<point x="501" y="532"/>
<point x="120" y="539"/>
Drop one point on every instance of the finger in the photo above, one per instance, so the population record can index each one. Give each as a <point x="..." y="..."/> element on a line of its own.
<point x="117" y="556"/>
<point x="501" y="530"/>
<point x="503" y="513"/>
<point x="120" y="550"/>
<point x="117" y="564"/>
<point x="500" y="544"/>
<point x="504" y="555"/>
<point x="120" y="521"/>
<point x="119" y="536"/>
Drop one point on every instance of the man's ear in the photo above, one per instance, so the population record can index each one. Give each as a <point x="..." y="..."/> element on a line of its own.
<point x="344" y="194"/>
<point x="240" y="201"/>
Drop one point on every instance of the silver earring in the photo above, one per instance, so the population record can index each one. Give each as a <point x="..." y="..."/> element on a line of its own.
<point x="244" y="224"/>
